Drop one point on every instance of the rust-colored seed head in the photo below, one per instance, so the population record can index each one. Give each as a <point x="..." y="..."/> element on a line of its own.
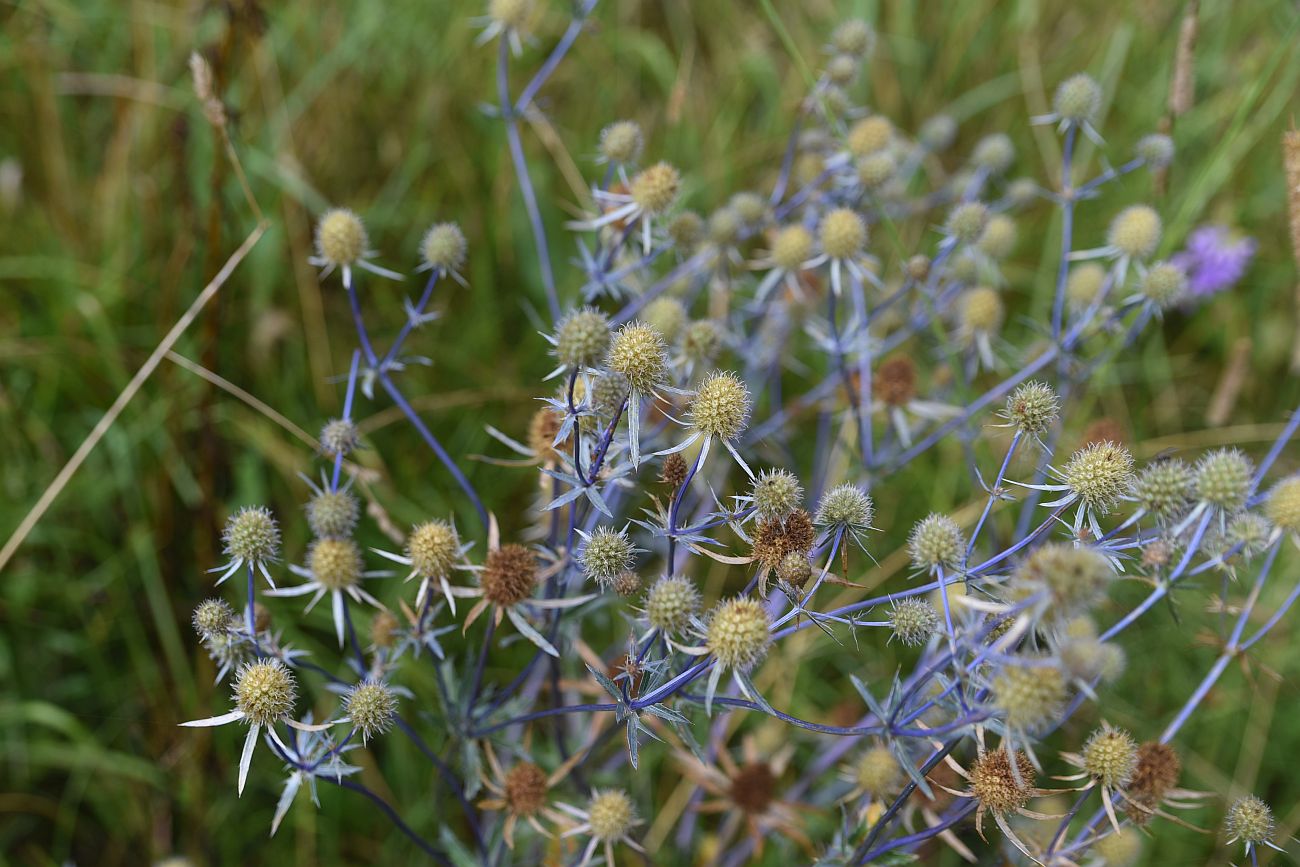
<point x="753" y="787"/>
<point x="996" y="786"/>
<point x="1158" y="767"/>
<point x="509" y="575"/>
<point x="383" y="629"/>
<point x="896" y="380"/>
<point x="775" y="539"/>
<point x="525" y="786"/>
<point x="542" y="428"/>
<point x="673" y="472"/>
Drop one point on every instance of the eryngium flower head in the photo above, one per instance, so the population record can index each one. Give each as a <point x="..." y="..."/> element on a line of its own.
<point x="606" y="554"/>
<point x="998" y="239"/>
<point x="1110" y="756"/>
<point x="792" y="247"/>
<point x="637" y="352"/>
<point x="1118" y="850"/>
<point x="582" y="338"/>
<point x="853" y="36"/>
<point x="937" y="133"/>
<point x="1283" y="504"/>
<point x="432" y="548"/>
<point x="213" y="617"/>
<point x="265" y="691"/>
<point x="1033" y="407"/>
<point x="994" y="153"/>
<point x="843" y="233"/>
<point x="509" y="575"/>
<point x="1156" y="150"/>
<point x="967" y="220"/>
<point x="1135" y="231"/>
<point x="335" y="563"/>
<point x="384" y="629"/>
<point x="621" y="142"/>
<point x="1249" y="820"/>
<point x="666" y="315"/>
<point x="776" y="494"/>
<point x="1158" y="767"/>
<point x="443" y="247"/>
<point x="777" y="537"/>
<point x="751" y="207"/>
<point x="878" y="773"/>
<point x="371" y="705"/>
<point x="1084" y="285"/>
<point x="982" y="310"/>
<point x="608" y="391"/>
<point x="525" y="788"/>
<point x="1100" y="474"/>
<point x="654" y="189"/>
<point x="936" y="542"/>
<point x="871" y="134"/>
<point x="846" y="507"/>
<point x="1076" y="577"/>
<point x="610" y="814"/>
<point x="340" y="237"/>
<point x="1164" y="489"/>
<point x="842" y="69"/>
<point x="877" y="169"/>
<point x="332" y="513"/>
<point x="339" y="436"/>
<point x="671" y="603"/>
<point x="1028" y="697"/>
<point x="252" y="535"/>
<point x="999" y="788"/>
<point x="721" y="406"/>
<point x="737" y="634"/>
<point x="1223" y="479"/>
<point x="1164" y="285"/>
<point x="913" y="621"/>
<point x="686" y="229"/>
<point x="626" y="583"/>
<point x="1077" y="99"/>
<point x="510" y="14"/>
<point x="701" y="341"/>
<point x="794" y="570"/>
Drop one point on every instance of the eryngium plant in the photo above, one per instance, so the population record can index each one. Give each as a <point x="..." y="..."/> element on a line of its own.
<point x="733" y="392"/>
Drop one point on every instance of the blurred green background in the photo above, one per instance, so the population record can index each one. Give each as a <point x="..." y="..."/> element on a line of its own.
<point x="117" y="205"/>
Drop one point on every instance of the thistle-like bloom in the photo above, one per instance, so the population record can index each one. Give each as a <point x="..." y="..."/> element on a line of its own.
<point x="775" y="494"/>
<point x="433" y="551"/>
<point x="894" y="392"/>
<point x="606" y="554"/>
<point x="1214" y="260"/>
<point x="719" y="410"/>
<point x="842" y="236"/>
<point x="251" y="537"/>
<point x="609" y="819"/>
<point x="1097" y="477"/>
<point x="508" y="19"/>
<point x="1109" y="760"/>
<point x="651" y="193"/>
<point x="669" y="607"/>
<point x="912" y="621"/>
<point x="981" y="312"/>
<point x="523" y="793"/>
<point x="1032" y="408"/>
<point x="1282" y="507"/>
<point x="1250" y="821"/>
<point x="333" y="566"/>
<point x="1001" y="788"/>
<point x="847" y="509"/>
<point x="370" y="707"/>
<point x="791" y="254"/>
<point x="621" y="143"/>
<point x="1075" y="104"/>
<point x="638" y="354"/>
<point x="442" y="251"/>
<point x="342" y="242"/>
<point x="1221" y="481"/>
<point x="1133" y="236"/>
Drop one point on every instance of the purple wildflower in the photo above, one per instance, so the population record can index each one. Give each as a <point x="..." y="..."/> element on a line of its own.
<point x="1214" y="260"/>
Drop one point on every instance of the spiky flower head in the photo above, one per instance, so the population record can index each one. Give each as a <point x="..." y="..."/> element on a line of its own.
<point x="340" y="237"/>
<point x="1157" y="771"/>
<point x="794" y="570"/>
<point x="1084" y="656"/>
<point x="671" y="603"/>
<point x="433" y="547"/>
<point x="1164" y="285"/>
<point x="252" y="535"/>
<point x="1249" y="820"/>
<point x="853" y="36"/>
<point x="525" y="787"/>
<point x="1164" y="489"/>
<point x="966" y="221"/>
<point x="877" y="169"/>
<point x="982" y="310"/>
<point x="721" y="406"/>
<point x="1283" y="504"/>
<point x="777" y="537"/>
<point x="701" y="341"/>
<point x="608" y="391"/>
<point x="384" y="628"/>
<point x="871" y="134"/>
<point x="621" y="142"/>
<point x="1100" y="474"/>
<point x="994" y="153"/>
<point x="937" y="133"/>
<point x="843" y="233"/>
<point x="335" y="563"/>
<point x="751" y="207"/>
<point x="654" y="189"/>
<point x="582" y="338"/>
<point x="666" y="315"/>
<point x="724" y="227"/>
<point x="999" y="788"/>
<point x="606" y="553"/>
<point x="1110" y="756"/>
<point x="1033" y="407"/>
<point x="1077" y="99"/>
<point x="637" y="352"/>
<point x="1156" y="150"/>
<point x="333" y="513"/>
<point x="1084" y="285"/>
<point x="998" y="239"/>
<point x="842" y="69"/>
<point x="509" y="575"/>
<point x="213" y="617"/>
<point x="1251" y="531"/>
<point x="1119" y="850"/>
<point x="626" y="583"/>
<point x="1223" y="479"/>
<point x="371" y="705"/>
<point x="1028" y="696"/>
<point x="1076" y="577"/>
<point x="737" y="634"/>
<point x="1136" y="231"/>
<point x="444" y="247"/>
<point x="611" y="814"/>
<point x="776" y="493"/>
<point x="265" y="691"/>
<point x="878" y="773"/>
<point x="1022" y="192"/>
<point x="936" y="542"/>
<point x="339" y="436"/>
<point x="913" y="621"/>
<point x="895" y="381"/>
<point x="846" y="506"/>
<point x="918" y="266"/>
<point x="792" y="247"/>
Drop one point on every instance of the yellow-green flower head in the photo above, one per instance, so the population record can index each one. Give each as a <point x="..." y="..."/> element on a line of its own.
<point x="936" y="542"/>
<point x="1136" y="231"/>
<point x="654" y="189"/>
<point x="878" y="773"/>
<point x="794" y="570"/>
<point x="1110" y="756"/>
<point x="1084" y="285"/>
<point x="998" y="239"/>
<point x="776" y="494"/>
<point x="384" y="629"/>
<point x="1119" y="850"/>
<point x="737" y="634"/>
<point x="721" y="406"/>
<point x="582" y="338"/>
<point x="686" y="229"/>
<point x="1249" y="820"/>
<point x="1164" y="285"/>
<point x="637" y="352"/>
<point x="701" y="341"/>
<point x="341" y="237"/>
<point x="842" y="69"/>
<point x="1028" y="697"/>
<point x="611" y="814"/>
<point x="982" y="310"/>
<point x="213" y="617"/>
<point x="621" y="142"/>
<point x="265" y="691"/>
<point x="843" y="233"/>
<point x="913" y="621"/>
<point x="1100" y="474"/>
<point x="870" y="134"/>
<point x="332" y="513"/>
<point x="1076" y="577"/>
<point x="1223" y="479"/>
<point x="1078" y="99"/>
<point x="371" y="705"/>
<point x="1165" y="489"/>
<point x="937" y="133"/>
<point x="994" y="153"/>
<point x="854" y="37"/>
<point x="876" y="169"/>
<point x="1033" y="407"/>
<point x="511" y="14"/>
<point x="671" y="603"/>
<point x="724" y="227"/>
<point x="1249" y="530"/>
<point x="606" y="554"/>
<point x="750" y="207"/>
<point x="847" y="506"/>
<point x="666" y="315"/>
<point x="335" y="563"/>
<point x="1156" y="150"/>
<point x="609" y="391"/>
<point x="444" y="247"/>
<point x="1022" y="192"/>
<point x="252" y="535"/>
<point x="792" y="247"/>
<point x="966" y="221"/>
<point x="433" y="548"/>
<point x="1283" y="504"/>
<point x="339" y="436"/>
